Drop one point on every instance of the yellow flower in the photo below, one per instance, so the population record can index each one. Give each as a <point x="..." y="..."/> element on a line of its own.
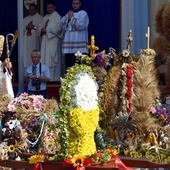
<point x="52" y="140"/>
<point x="77" y="160"/>
<point x="3" y="97"/>
<point x="11" y="148"/>
<point x="82" y="140"/>
<point x="36" y="158"/>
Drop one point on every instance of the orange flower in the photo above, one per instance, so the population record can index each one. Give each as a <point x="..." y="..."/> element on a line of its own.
<point x="162" y="117"/>
<point x="77" y="161"/>
<point x="112" y="152"/>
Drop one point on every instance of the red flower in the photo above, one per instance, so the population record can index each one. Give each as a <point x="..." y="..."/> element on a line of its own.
<point x="87" y="161"/>
<point x="97" y="155"/>
<point x="67" y="162"/>
<point x="102" y="63"/>
<point x="129" y="71"/>
<point x="129" y="83"/>
<point x="128" y="94"/>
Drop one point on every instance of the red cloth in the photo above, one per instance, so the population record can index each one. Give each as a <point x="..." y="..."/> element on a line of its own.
<point x="37" y="166"/>
<point x="119" y="164"/>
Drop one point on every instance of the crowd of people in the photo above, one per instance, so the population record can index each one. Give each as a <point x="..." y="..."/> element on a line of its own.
<point x="54" y="40"/>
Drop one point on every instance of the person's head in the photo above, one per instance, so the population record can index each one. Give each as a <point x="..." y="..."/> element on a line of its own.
<point x="35" y="56"/>
<point x="50" y="7"/>
<point x="32" y="9"/>
<point x="76" y="4"/>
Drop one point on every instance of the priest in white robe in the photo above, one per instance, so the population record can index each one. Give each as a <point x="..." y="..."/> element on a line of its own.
<point x="31" y="36"/>
<point x="75" y="24"/>
<point x="5" y="74"/>
<point x="51" y="35"/>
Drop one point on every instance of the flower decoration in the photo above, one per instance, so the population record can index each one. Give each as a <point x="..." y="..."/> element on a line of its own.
<point x="37" y="117"/>
<point x="81" y="132"/>
<point x="36" y="160"/>
<point x="80" y="91"/>
<point x="80" y="161"/>
<point x="161" y="115"/>
<point x="126" y="56"/>
<point x="127" y="86"/>
<point x="33" y="122"/>
<point x="126" y="53"/>
<point x="11" y="148"/>
<point x="77" y="161"/>
<point x="79" y="105"/>
<point x="100" y="156"/>
<point x="112" y="152"/>
<point x="27" y="103"/>
<point x="104" y="155"/>
<point x="83" y="59"/>
<point x="99" y="60"/>
<point x="102" y="59"/>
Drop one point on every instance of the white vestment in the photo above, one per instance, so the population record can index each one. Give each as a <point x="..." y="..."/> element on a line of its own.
<point x="31" y="42"/>
<point x="51" y="45"/>
<point x="5" y="82"/>
<point x="76" y="33"/>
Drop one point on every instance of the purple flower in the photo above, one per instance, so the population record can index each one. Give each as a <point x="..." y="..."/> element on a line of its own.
<point x="33" y="122"/>
<point x="25" y="126"/>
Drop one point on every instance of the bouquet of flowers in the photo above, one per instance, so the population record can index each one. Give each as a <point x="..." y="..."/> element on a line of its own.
<point x="37" y="116"/>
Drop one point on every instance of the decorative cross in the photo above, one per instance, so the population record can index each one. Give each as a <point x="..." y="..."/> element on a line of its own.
<point x="129" y="40"/>
<point x="148" y="37"/>
<point x="92" y="47"/>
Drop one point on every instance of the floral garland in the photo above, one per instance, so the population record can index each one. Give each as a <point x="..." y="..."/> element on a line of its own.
<point x="80" y="162"/>
<point x="27" y="102"/>
<point x="127" y="85"/>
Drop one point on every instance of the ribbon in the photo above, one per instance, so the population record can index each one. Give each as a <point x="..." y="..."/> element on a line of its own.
<point x="44" y="118"/>
<point x="79" y="168"/>
<point x="37" y="166"/>
<point x="119" y="164"/>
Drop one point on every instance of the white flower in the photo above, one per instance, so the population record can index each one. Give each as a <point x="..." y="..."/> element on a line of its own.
<point x="126" y="53"/>
<point x="84" y="92"/>
<point x="78" y="54"/>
